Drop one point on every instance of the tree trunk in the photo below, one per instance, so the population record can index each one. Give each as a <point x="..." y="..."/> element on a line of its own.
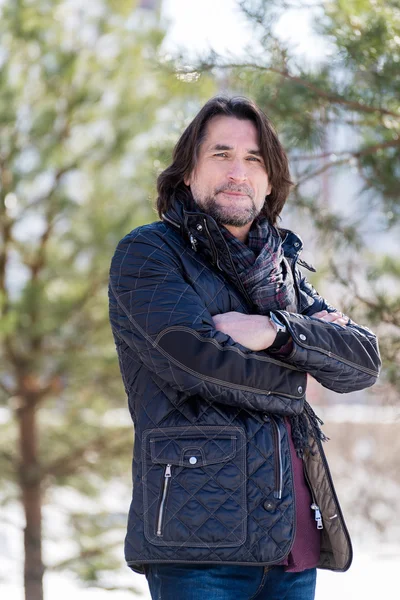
<point x="30" y="481"/>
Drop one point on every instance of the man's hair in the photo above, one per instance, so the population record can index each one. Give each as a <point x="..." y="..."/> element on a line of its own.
<point x="171" y="181"/>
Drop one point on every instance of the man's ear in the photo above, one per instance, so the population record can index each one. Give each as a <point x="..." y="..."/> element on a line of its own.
<point x="269" y="189"/>
<point x="186" y="180"/>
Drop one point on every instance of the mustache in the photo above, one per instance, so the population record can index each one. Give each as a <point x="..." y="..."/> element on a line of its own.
<point x="240" y="189"/>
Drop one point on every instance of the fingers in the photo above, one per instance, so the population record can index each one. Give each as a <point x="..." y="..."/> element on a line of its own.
<point x="333" y="317"/>
<point x="320" y="314"/>
<point x="330" y="317"/>
<point x="339" y="320"/>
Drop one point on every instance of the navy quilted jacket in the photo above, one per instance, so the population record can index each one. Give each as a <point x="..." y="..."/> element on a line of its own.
<point x="212" y="475"/>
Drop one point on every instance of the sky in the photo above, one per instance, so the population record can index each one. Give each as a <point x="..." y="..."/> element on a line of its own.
<point x="200" y="24"/>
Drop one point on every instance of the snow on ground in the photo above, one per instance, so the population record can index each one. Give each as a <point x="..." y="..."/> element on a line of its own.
<point x="373" y="575"/>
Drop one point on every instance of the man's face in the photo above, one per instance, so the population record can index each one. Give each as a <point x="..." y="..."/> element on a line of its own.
<point x="230" y="181"/>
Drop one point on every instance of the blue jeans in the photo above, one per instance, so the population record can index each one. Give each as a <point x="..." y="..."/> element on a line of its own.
<point x="228" y="582"/>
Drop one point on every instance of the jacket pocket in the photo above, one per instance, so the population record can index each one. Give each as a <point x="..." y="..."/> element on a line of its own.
<point x="194" y="486"/>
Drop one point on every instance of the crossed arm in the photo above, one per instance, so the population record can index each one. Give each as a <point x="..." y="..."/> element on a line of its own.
<point x="256" y="331"/>
<point x="160" y="321"/>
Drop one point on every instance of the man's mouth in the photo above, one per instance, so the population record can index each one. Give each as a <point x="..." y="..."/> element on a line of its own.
<point x="237" y="194"/>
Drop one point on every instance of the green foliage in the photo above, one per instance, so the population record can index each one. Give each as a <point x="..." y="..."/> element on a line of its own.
<point x="351" y="92"/>
<point x="81" y="94"/>
<point x="356" y="87"/>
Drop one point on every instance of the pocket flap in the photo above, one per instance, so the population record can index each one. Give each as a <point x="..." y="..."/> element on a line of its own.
<point x="192" y="448"/>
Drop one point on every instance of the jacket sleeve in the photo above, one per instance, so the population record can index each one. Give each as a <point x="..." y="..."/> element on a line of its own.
<point x="342" y="359"/>
<point x="161" y="318"/>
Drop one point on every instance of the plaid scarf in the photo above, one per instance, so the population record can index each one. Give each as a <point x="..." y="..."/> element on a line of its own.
<point x="263" y="268"/>
<point x="268" y="280"/>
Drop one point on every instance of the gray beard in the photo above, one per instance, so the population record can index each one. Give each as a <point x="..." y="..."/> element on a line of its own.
<point x="225" y="216"/>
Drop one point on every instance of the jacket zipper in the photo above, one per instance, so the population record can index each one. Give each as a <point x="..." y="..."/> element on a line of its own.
<point x="314" y="505"/>
<point x="332" y="488"/>
<point x="214" y="249"/>
<point x="213" y="246"/>
<point x="278" y="459"/>
<point x="161" y="510"/>
<point x="194" y="243"/>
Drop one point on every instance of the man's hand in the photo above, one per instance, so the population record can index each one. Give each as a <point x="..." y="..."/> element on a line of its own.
<point x="256" y="331"/>
<point x="252" y="331"/>
<point x="333" y="317"/>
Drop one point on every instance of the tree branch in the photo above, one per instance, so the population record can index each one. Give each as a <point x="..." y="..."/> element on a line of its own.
<point x="347" y="157"/>
<point x="33" y="393"/>
<point x="62" y="171"/>
<point x="65" y="465"/>
<point x="322" y="170"/>
<point x="376" y="147"/>
<point x="386" y="316"/>
<point x="332" y="97"/>
<point x="355" y="154"/>
<point x="82" y="556"/>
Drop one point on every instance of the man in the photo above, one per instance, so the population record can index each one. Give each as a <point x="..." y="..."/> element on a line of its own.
<point x="216" y="329"/>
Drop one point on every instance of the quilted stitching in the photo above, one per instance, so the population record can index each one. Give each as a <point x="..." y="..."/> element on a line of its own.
<point x="145" y="299"/>
<point x="188" y="493"/>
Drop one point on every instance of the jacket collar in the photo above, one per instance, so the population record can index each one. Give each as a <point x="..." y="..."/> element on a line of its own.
<point x="200" y="230"/>
<point x="204" y="235"/>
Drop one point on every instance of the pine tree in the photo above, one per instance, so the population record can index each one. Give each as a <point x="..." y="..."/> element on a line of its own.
<point x="80" y="98"/>
<point x="339" y="117"/>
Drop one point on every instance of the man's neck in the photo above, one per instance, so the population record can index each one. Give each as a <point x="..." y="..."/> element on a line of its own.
<point x="241" y="233"/>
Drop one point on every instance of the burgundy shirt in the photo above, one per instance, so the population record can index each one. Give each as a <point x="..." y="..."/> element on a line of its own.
<point x="306" y="548"/>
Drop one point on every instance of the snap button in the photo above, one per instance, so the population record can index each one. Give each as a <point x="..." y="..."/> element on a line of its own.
<point x="265" y="418"/>
<point x="268" y="505"/>
<point x="300" y="389"/>
<point x="199" y="227"/>
<point x="302" y="336"/>
<point x="193" y="460"/>
<point x="296" y="244"/>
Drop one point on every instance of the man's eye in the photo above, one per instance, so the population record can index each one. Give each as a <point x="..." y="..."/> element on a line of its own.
<point x="221" y="154"/>
<point x="254" y="158"/>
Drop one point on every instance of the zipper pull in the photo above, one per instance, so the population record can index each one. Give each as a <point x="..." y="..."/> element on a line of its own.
<point x="193" y="242"/>
<point x="317" y="516"/>
<point x="167" y="475"/>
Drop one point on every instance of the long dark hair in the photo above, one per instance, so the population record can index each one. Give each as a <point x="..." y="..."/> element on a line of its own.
<point x="171" y="181"/>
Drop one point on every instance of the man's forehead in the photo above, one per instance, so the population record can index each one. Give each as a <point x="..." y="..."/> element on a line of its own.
<point x="223" y="132"/>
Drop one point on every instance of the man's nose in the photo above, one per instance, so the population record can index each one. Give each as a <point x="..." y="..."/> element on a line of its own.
<point x="237" y="171"/>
